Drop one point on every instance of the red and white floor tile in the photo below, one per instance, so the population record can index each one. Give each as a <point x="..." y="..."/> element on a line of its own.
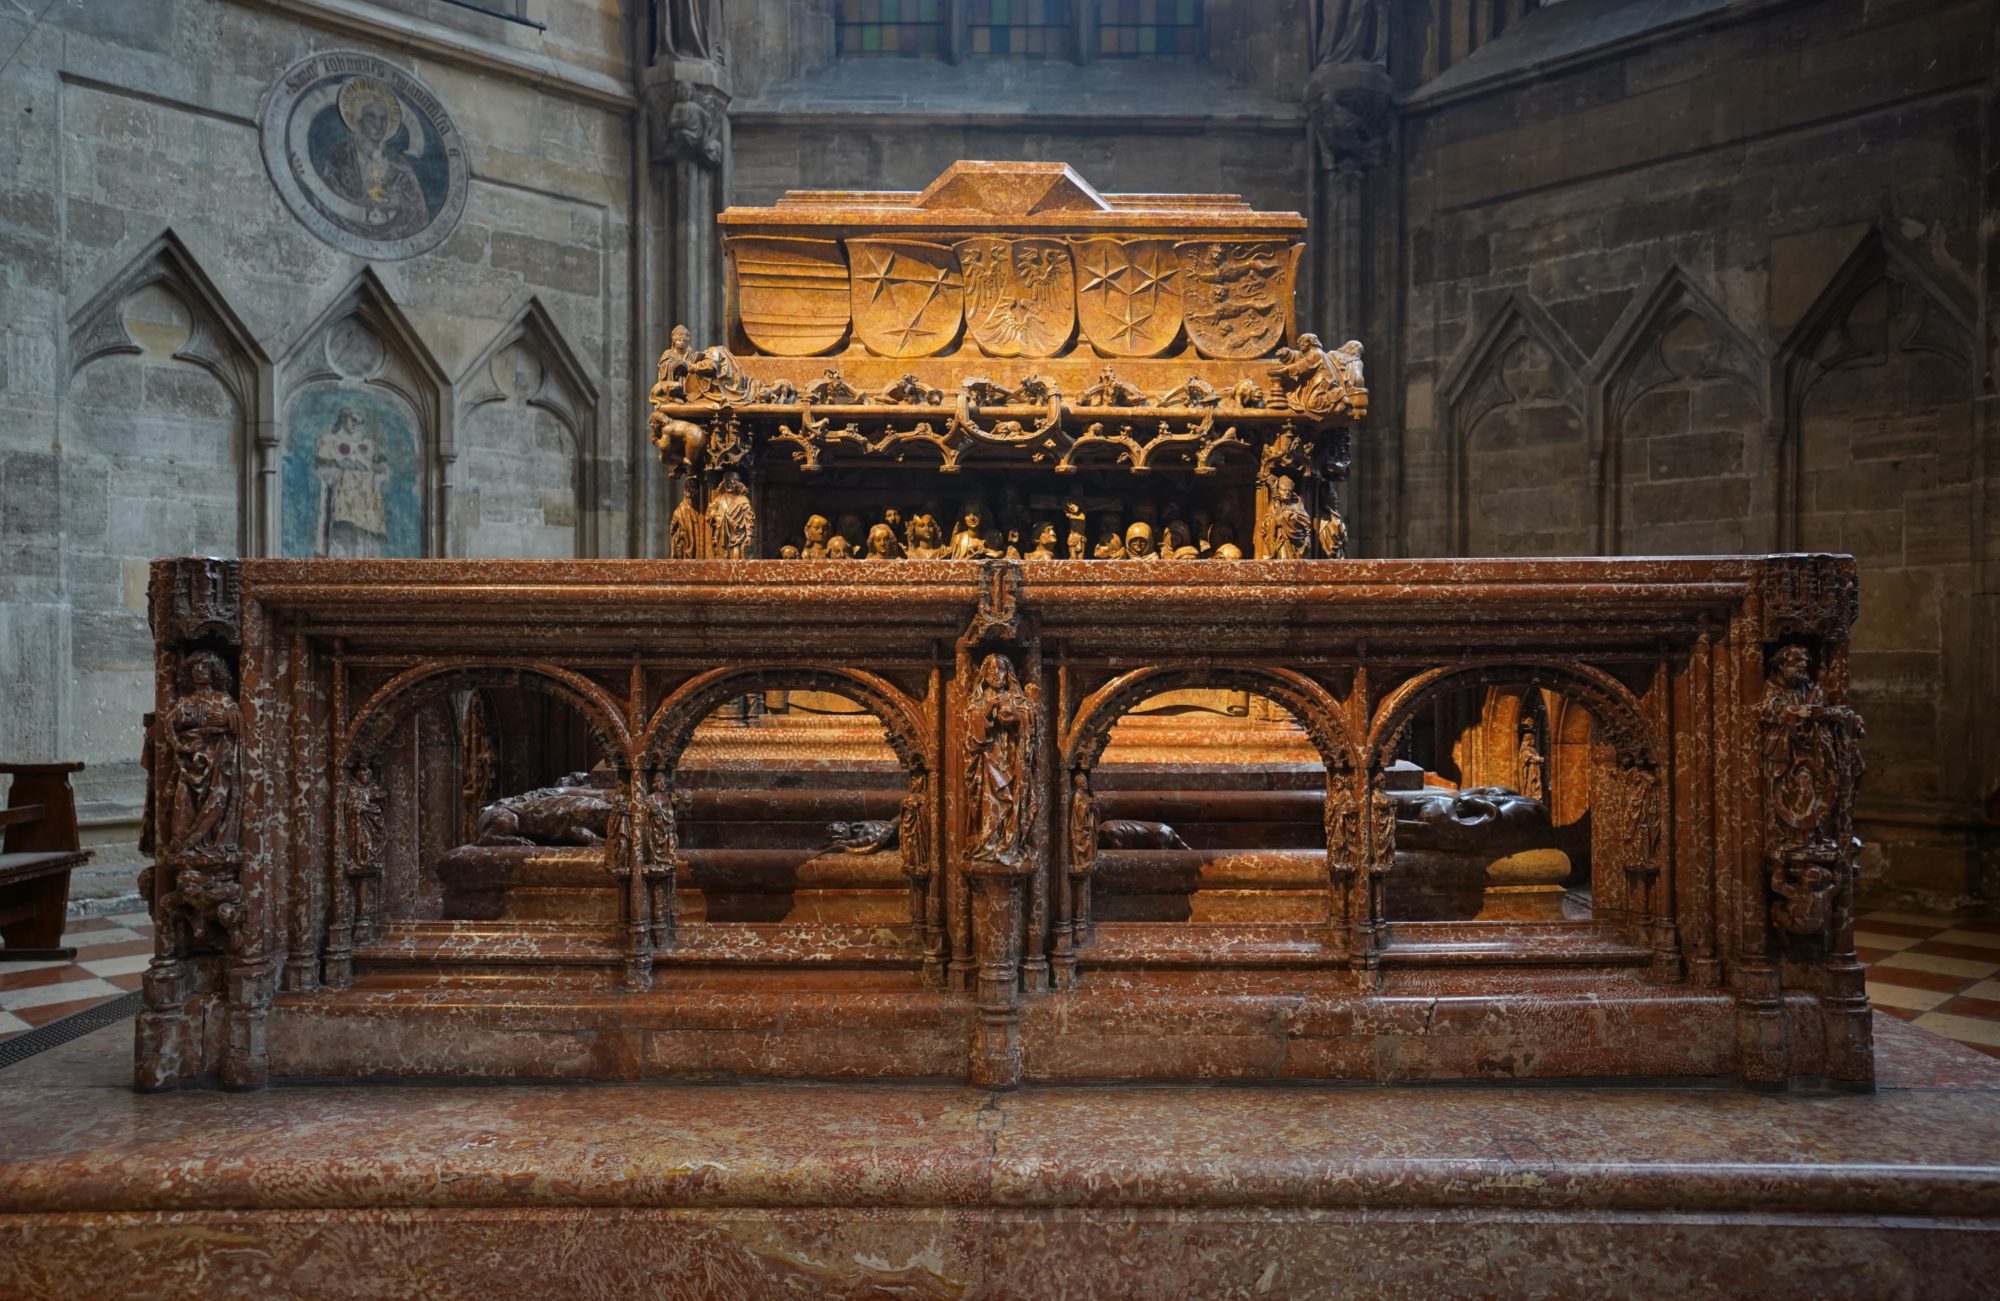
<point x="111" y="955"/>
<point x="1940" y="971"/>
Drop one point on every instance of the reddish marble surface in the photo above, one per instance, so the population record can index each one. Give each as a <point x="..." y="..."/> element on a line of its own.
<point x="936" y="1190"/>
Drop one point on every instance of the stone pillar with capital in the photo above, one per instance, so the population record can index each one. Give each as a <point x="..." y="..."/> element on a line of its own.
<point x="684" y="94"/>
<point x="1353" y="223"/>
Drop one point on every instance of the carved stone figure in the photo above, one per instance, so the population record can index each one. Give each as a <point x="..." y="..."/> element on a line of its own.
<point x="927" y="538"/>
<point x="1481" y="819"/>
<point x="882" y="544"/>
<point x="816" y="531"/>
<point x="864" y="837"/>
<point x="1176" y="543"/>
<point x="911" y="391"/>
<point x="1341" y="818"/>
<point x="1305" y="377"/>
<point x="1045" y="542"/>
<point x="1139" y="542"/>
<point x="1082" y="824"/>
<point x="1631" y="793"/>
<point x="1196" y="392"/>
<point x="839" y="548"/>
<point x="1000" y="741"/>
<point x="204" y="728"/>
<point x="714" y="376"/>
<point x="1810" y="760"/>
<point x="731" y="521"/>
<point x="686" y="533"/>
<point x="1533" y="779"/>
<point x="1110" y="539"/>
<point x="1288" y="530"/>
<point x="1332" y="530"/>
<point x="211" y="904"/>
<point x="1805" y="897"/>
<point x="694" y="126"/>
<point x="913" y="826"/>
<point x="1110" y="391"/>
<point x="670" y="384"/>
<point x="832" y="390"/>
<point x="367" y="821"/>
<point x="571" y="813"/>
<point x="968" y="540"/>
<point x="1076" y="543"/>
<point x="1131" y="833"/>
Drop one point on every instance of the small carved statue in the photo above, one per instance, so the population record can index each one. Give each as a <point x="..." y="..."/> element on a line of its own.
<point x="1082" y="824"/>
<point x="867" y="836"/>
<point x="1196" y="392"/>
<point x="1332" y="530"/>
<point x="996" y="545"/>
<point x="1139" y="541"/>
<point x="968" y="540"/>
<point x="1288" y="528"/>
<point x="1805" y="896"/>
<point x="788" y="552"/>
<point x="816" y="529"/>
<point x="686" y="533"/>
<point x="1175" y="542"/>
<point x="914" y="826"/>
<point x="714" y="376"/>
<point x="1110" y="539"/>
<point x="927" y="538"/>
<point x="1045" y="542"/>
<point x="1804" y="737"/>
<point x="1038" y="389"/>
<point x="983" y="392"/>
<point x="731" y="521"/>
<point x="911" y="391"/>
<point x="831" y="390"/>
<point x="1001" y="721"/>
<point x="670" y="384"/>
<point x="572" y="812"/>
<point x="882" y="544"/>
<point x="1110" y="391"/>
<point x="204" y="727"/>
<point x="367" y="821"/>
<point x="1533" y="780"/>
<point x="897" y="529"/>
<point x="1077" y="543"/>
<point x="1308" y="378"/>
<point x="212" y="905"/>
<point x="1132" y="833"/>
<point x="839" y="548"/>
<point x="1248" y="395"/>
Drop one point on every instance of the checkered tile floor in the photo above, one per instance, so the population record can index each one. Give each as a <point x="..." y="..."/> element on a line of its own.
<point x="111" y="954"/>
<point x="1938" y="970"/>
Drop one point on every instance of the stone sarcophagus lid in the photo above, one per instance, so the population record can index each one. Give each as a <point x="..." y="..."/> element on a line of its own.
<point x="1069" y="362"/>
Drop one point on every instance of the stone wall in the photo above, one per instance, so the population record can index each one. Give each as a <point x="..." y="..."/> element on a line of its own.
<point x="1719" y="285"/>
<point x="177" y="347"/>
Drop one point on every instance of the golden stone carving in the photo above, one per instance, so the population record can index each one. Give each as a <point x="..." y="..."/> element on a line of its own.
<point x="791" y="294"/>
<point x="1239" y="295"/>
<point x="1128" y="295"/>
<point x="907" y="296"/>
<point x="1020" y="295"/>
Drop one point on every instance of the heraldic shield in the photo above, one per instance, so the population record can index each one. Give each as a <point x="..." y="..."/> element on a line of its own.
<point x="907" y="296"/>
<point x="1239" y="294"/>
<point x="1128" y="295"/>
<point x="791" y="294"/>
<point x="1020" y="295"/>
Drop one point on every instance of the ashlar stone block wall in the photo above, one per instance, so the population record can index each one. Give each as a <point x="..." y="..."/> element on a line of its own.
<point x="1730" y="285"/>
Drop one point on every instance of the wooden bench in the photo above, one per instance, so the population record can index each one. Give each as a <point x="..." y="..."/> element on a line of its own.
<point x="36" y="857"/>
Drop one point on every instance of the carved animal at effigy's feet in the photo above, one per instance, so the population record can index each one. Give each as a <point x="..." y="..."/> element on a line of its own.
<point x="571" y="813"/>
<point x="1483" y="819"/>
<point x="1129" y="833"/>
<point x="867" y="836"/>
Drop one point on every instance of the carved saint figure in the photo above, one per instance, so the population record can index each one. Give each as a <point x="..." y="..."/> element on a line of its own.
<point x="731" y="521"/>
<point x="352" y="469"/>
<point x="1139" y="542"/>
<point x="1110" y="539"/>
<point x="367" y="167"/>
<point x="1045" y="542"/>
<point x="839" y="548"/>
<point x="968" y="540"/>
<point x="1176" y="543"/>
<point x="914" y="828"/>
<point x="1083" y="816"/>
<point x="685" y="530"/>
<point x="927" y="538"/>
<point x="204" y="727"/>
<point x="1000" y="743"/>
<point x="1332" y="531"/>
<point x="669" y="385"/>
<point x="1287" y="527"/>
<point x="1807" y="752"/>
<point x="1342" y="823"/>
<point x="882" y="544"/>
<point x="367" y="821"/>
<point x="1077" y="543"/>
<point x="816" y="530"/>
<point x="1307" y="378"/>
<point x="1533" y="767"/>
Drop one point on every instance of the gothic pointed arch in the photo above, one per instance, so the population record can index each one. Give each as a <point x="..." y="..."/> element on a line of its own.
<point x="1521" y="369"/>
<point x="359" y="377"/>
<point x="1924" y="314"/>
<point x="1675" y="342"/>
<point x="218" y="342"/>
<point x="559" y="383"/>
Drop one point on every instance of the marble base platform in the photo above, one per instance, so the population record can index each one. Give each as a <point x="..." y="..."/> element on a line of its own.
<point x="852" y="1190"/>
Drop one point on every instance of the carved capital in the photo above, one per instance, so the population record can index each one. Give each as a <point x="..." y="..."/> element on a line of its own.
<point x="1351" y="113"/>
<point x="688" y="121"/>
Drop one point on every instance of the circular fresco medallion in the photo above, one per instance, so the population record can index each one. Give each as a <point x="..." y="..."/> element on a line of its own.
<point x="364" y="154"/>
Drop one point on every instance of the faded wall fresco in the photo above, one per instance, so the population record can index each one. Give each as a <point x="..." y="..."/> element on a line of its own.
<point x="352" y="477"/>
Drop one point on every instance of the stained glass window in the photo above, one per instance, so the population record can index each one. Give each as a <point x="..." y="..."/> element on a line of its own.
<point x="896" y="29"/>
<point x="1017" y="29"/>
<point x="1149" y="29"/>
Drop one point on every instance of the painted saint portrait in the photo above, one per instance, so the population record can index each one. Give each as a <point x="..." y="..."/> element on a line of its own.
<point x="364" y="155"/>
<point x="351" y="476"/>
